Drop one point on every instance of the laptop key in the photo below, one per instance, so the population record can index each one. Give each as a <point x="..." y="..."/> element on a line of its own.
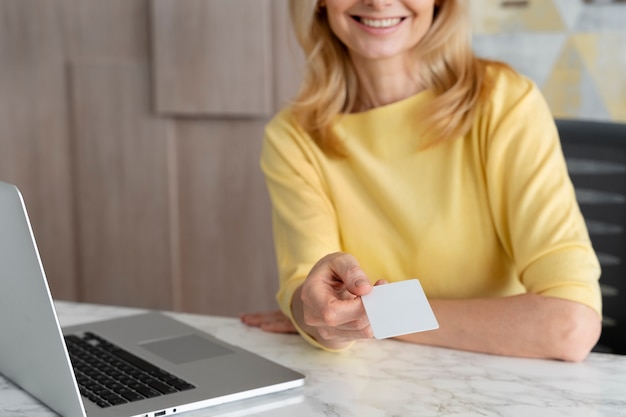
<point x="138" y="362"/>
<point x="184" y="386"/>
<point x="146" y="391"/>
<point x="158" y="385"/>
<point x="117" y="401"/>
<point x="109" y="375"/>
<point x="130" y="395"/>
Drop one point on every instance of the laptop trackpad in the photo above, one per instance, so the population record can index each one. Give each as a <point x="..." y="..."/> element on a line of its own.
<point x="183" y="349"/>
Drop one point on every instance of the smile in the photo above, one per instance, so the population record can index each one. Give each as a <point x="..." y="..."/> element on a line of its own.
<point x="379" y="23"/>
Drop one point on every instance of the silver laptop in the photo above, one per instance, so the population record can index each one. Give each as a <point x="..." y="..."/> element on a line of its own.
<point x="146" y="365"/>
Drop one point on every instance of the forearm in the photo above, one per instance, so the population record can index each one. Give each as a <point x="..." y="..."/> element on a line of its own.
<point x="527" y="325"/>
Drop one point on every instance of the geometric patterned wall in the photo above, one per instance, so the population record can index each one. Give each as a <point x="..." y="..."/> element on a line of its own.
<point x="574" y="50"/>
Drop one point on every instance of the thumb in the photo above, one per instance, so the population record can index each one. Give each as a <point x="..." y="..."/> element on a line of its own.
<point x="354" y="278"/>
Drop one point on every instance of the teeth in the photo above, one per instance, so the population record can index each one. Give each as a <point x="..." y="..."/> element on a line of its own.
<point x="380" y="23"/>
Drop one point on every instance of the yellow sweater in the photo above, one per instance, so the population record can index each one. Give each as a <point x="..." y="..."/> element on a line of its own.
<point x="490" y="214"/>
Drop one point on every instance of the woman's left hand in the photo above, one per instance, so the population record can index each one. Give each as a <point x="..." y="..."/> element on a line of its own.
<point x="269" y="321"/>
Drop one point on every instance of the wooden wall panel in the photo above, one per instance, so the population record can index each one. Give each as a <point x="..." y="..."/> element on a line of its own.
<point x="287" y="56"/>
<point x="212" y="57"/>
<point x="122" y="187"/>
<point x="34" y="135"/>
<point x="227" y="257"/>
<point x="131" y="206"/>
<point x="109" y="31"/>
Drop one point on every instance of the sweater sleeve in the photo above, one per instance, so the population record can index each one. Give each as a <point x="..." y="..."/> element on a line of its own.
<point x="304" y="220"/>
<point x="532" y="199"/>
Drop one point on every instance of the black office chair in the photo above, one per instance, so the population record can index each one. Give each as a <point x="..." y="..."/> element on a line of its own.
<point x="596" y="159"/>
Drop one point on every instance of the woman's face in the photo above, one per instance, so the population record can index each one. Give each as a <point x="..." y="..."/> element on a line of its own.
<point x="379" y="29"/>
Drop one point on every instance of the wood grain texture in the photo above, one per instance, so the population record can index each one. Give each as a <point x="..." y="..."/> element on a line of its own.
<point x="131" y="206"/>
<point x="211" y="57"/>
<point x="34" y="132"/>
<point x="122" y="187"/>
<point x="287" y="57"/>
<point x="227" y="256"/>
<point x="106" y="31"/>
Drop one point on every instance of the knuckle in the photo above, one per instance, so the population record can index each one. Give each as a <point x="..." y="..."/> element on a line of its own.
<point x="325" y="333"/>
<point x="329" y="316"/>
<point x="367" y="333"/>
<point x="354" y="271"/>
<point x="309" y="319"/>
<point x="362" y="323"/>
<point x="359" y="324"/>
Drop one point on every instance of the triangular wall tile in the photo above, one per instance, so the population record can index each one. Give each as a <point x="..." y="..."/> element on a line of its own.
<point x="592" y="105"/>
<point x="601" y="17"/>
<point x="520" y="51"/>
<point x="490" y="16"/>
<point x="570" y="11"/>
<point x="570" y="90"/>
<point x="604" y="55"/>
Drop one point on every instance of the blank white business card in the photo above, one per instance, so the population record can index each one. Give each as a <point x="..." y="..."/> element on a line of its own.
<point x="399" y="308"/>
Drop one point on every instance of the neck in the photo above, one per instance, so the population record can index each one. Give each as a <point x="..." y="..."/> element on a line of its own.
<point x="384" y="84"/>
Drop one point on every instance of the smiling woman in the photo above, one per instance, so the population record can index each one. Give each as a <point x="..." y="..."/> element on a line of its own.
<point x="385" y="33"/>
<point x="337" y="82"/>
<point x="405" y="156"/>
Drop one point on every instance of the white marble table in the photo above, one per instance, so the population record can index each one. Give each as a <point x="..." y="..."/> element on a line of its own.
<point x="389" y="378"/>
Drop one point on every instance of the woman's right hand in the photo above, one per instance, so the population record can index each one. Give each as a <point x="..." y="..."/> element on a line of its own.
<point x="328" y="304"/>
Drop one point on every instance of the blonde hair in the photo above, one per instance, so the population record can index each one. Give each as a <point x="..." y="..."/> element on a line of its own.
<point x="448" y="68"/>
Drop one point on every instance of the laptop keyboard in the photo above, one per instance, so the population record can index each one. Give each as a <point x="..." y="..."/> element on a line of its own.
<point x="109" y="375"/>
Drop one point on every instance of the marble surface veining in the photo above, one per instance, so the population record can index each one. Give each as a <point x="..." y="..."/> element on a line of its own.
<point x="390" y="379"/>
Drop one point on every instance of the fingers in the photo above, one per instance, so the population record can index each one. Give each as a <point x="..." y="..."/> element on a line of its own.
<point x="339" y="320"/>
<point x="344" y="269"/>
<point x="279" y="327"/>
<point x="353" y="277"/>
<point x="269" y="321"/>
<point x="347" y="332"/>
<point x="331" y="309"/>
<point x="327" y="302"/>
<point x="331" y="302"/>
